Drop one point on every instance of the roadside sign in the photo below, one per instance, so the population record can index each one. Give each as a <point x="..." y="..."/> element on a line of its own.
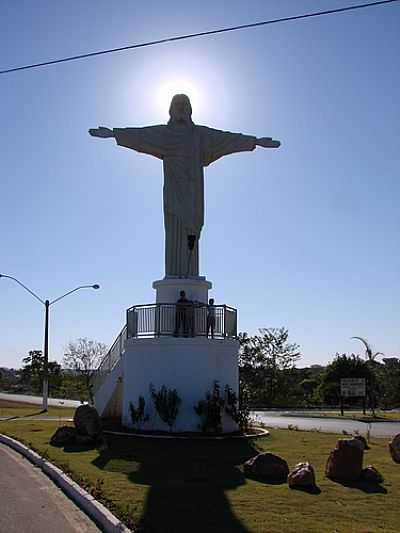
<point x="352" y="387"/>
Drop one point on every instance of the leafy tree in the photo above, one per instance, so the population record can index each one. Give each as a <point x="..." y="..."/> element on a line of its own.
<point x="31" y="374"/>
<point x="73" y="386"/>
<point x="8" y="378"/>
<point x="266" y="364"/>
<point x="83" y="356"/>
<point x="388" y="377"/>
<point x="343" y="366"/>
<point x="309" y="388"/>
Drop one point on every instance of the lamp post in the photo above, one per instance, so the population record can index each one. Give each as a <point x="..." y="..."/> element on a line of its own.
<point x="47" y="304"/>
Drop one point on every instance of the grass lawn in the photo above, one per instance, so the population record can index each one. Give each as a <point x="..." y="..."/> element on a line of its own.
<point x="9" y="408"/>
<point x="198" y="486"/>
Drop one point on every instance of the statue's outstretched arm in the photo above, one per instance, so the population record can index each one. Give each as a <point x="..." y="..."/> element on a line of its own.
<point x="102" y="132"/>
<point x="267" y="142"/>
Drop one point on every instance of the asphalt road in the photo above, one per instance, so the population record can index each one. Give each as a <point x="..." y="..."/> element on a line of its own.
<point x="272" y="418"/>
<point x="37" y="400"/>
<point x="328" y="425"/>
<point x="31" y="503"/>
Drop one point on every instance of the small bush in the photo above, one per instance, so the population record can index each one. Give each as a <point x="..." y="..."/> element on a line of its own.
<point x="137" y="413"/>
<point x="210" y="410"/>
<point x="238" y="408"/>
<point x="166" y="402"/>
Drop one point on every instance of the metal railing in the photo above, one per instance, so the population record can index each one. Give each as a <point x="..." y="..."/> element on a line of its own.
<point x="181" y="320"/>
<point x="109" y="361"/>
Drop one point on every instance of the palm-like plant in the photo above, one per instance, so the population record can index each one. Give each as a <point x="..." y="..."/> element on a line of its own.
<point x="368" y="350"/>
<point x="370" y="358"/>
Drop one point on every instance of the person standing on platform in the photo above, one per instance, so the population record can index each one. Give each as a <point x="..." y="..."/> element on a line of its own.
<point x="211" y="317"/>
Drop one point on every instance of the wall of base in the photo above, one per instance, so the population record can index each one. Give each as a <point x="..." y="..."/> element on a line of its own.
<point x="189" y="365"/>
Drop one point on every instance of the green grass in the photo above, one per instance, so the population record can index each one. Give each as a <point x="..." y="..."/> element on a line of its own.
<point x="9" y="409"/>
<point x="198" y="486"/>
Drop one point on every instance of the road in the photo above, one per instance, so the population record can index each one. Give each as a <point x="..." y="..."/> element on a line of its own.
<point x="273" y="418"/>
<point x="37" y="400"/>
<point x="328" y="425"/>
<point x="30" y="502"/>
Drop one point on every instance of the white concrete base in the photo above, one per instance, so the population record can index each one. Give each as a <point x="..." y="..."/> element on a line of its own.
<point x="189" y="365"/>
<point x="168" y="289"/>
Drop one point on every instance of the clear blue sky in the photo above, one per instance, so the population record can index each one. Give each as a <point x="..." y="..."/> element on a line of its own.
<point x="305" y="237"/>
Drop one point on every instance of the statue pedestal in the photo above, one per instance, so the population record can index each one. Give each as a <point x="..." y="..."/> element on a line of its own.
<point x="188" y="365"/>
<point x="168" y="289"/>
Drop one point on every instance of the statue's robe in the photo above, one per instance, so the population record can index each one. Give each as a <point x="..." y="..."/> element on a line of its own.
<point x="184" y="149"/>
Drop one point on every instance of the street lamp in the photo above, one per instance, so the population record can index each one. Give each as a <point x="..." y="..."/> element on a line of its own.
<point x="47" y="304"/>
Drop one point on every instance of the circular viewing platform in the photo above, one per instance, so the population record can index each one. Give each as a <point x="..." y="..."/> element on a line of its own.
<point x="190" y="319"/>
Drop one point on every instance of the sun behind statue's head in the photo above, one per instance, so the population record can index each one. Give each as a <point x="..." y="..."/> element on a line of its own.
<point x="180" y="109"/>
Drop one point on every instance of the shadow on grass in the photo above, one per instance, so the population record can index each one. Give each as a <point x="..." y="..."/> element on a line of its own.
<point x="265" y="481"/>
<point x="309" y="490"/>
<point x="77" y="448"/>
<point x="187" y="480"/>
<point x="364" y="486"/>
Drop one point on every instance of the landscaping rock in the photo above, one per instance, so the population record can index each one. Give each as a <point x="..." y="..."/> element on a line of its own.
<point x="85" y="440"/>
<point x="267" y="466"/>
<point x="345" y="461"/>
<point x="302" y="476"/>
<point x="371" y="475"/>
<point x="64" y="435"/>
<point x="87" y="421"/>
<point x="363" y="440"/>
<point x="394" y="448"/>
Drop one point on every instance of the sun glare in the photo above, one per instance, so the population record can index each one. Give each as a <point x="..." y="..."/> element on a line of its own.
<point x="168" y="90"/>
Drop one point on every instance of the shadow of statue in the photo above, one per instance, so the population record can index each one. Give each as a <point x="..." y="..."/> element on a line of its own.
<point x="187" y="480"/>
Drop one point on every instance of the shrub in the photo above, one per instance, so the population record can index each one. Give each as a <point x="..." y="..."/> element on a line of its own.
<point x="166" y="402"/>
<point x="137" y="413"/>
<point x="238" y="408"/>
<point x="210" y="409"/>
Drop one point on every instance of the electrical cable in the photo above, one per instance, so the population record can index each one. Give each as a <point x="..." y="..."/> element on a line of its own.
<point x="199" y="34"/>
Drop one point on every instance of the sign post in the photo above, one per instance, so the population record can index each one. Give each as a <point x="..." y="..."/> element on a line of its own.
<point x="352" y="388"/>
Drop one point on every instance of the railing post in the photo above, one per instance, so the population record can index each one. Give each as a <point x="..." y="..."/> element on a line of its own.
<point x="235" y="331"/>
<point x="158" y="319"/>
<point x="224" y="321"/>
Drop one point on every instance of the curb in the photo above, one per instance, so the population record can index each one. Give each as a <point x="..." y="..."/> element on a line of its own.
<point x="94" y="509"/>
<point x="262" y="432"/>
<point x="343" y="418"/>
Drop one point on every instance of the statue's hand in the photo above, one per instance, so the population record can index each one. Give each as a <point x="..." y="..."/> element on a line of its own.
<point x="267" y="142"/>
<point x="102" y="132"/>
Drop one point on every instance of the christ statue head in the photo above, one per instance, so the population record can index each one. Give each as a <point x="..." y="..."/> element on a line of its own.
<point x="180" y="109"/>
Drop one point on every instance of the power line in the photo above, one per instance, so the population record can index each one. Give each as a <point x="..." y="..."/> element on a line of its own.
<point x="200" y="34"/>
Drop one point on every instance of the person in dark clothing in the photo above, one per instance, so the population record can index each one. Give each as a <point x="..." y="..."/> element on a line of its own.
<point x="211" y="317"/>
<point x="183" y="306"/>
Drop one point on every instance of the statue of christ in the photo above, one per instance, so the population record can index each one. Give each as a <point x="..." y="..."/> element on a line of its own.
<point x="185" y="149"/>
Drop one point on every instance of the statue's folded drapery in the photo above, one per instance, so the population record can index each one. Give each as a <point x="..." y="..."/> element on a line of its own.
<point x="184" y="149"/>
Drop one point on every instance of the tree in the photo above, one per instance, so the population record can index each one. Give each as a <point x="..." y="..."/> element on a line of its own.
<point x="371" y="360"/>
<point x="266" y="362"/>
<point x="83" y="357"/>
<point x="344" y="366"/>
<point x="388" y="378"/>
<point x="31" y="374"/>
